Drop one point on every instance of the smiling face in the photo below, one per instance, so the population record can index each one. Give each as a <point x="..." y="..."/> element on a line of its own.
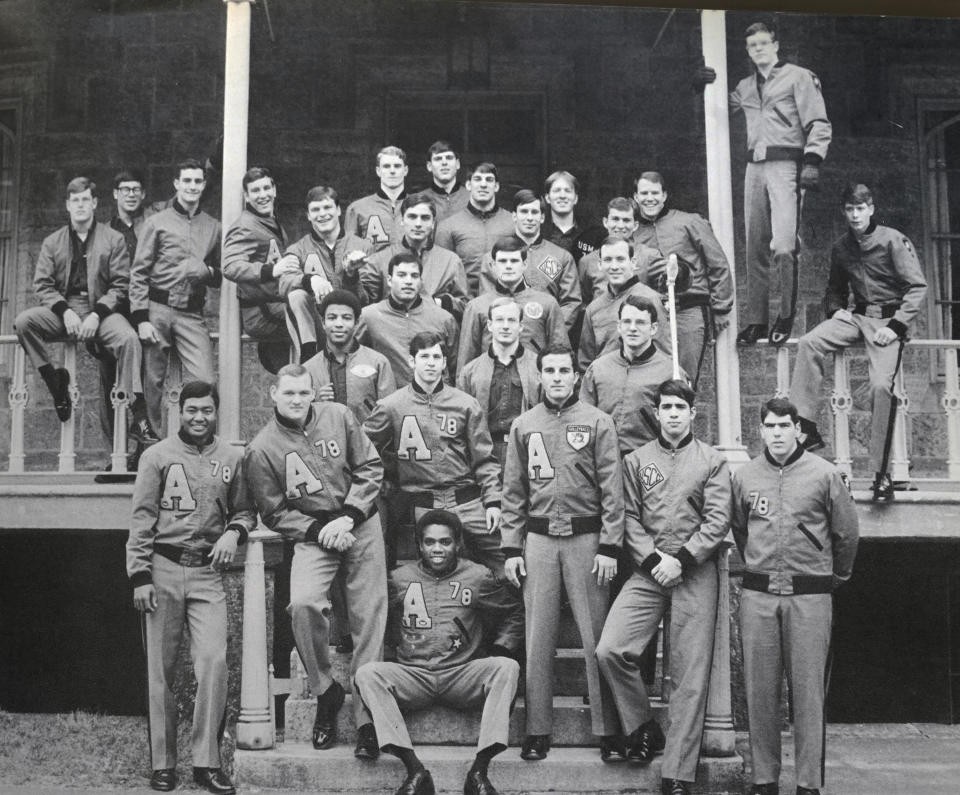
<point x="527" y="219"/>
<point x="404" y="282"/>
<point x="562" y="196"/>
<point x="780" y="435"/>
<point x="129" y="196"/>
<point x="557" y="377"/>
<point x="324" y="216"/>
<point x="338" y="323"/>
<point x="292" y="395"/>
<point x="189" y="187"/>
<point x="675" y="416"/>
<point x="261" y="194"/>
<point x="198" y="418"/>
<point x="651" y="197"/>
<point x="615" y="263"/>
<point x="428" y="365"/>
<point x="438" y="548"/>
<point x="483" y="189"/>
<point x="620" y="223"/>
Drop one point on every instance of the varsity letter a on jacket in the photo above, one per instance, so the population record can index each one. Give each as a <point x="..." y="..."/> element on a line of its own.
<point x="176" y="494"/>
<point x="298" y="475"/>
<point x="538" y="462"/>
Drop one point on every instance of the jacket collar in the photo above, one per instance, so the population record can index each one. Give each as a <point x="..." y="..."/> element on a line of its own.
<point x="869" y="231"/>
<point x="90" y="231"/>
<point x="513" y="357"/>
<point x="290" y="424"/>
<point x="313" y="234"/>
<point x="352" y="349"/>
<point x="419" y="390"/>
<point x="428" y="244"/>
<point x="551" y="406"/>
<point x="400" y="196"/>
<point x="684" y="442"/>
<point x="793" y="457"/>
<point x="651" y="221"/>
<point x="647" y="354"/>
<point x="483" y="215"/>
<point x="624" y="287"/>
<point x="192" y="444"/>
<point x="396" y="305"/>
<point x="504" y="290"/>
<point x="776" y="66"/>
<point x="435" y="188"/>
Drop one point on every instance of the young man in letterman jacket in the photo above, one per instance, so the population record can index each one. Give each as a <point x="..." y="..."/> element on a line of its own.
<point x="315" y="477"/>
<point x="795" y="524"/>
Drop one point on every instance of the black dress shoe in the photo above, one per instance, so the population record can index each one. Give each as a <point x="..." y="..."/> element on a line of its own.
<point x="613" y="748"/>
<point x="477" y="783"/>
<point x="535" y="747"/>
<point x="807" y="791"/>
<point x="765" y="789"/>
<point x="214" y="780"/>
<point x="780" y="332"/>
<point x="164" y="780"/>
<point x="645" y="743"/>
<point x="812" y="440"/>
<point x="674" y="786"/>
<point x="325" y="723"/>
<point x="751" y="334"/>
<point x="368" y="747"/>
<point x="142" y="432"/>
<point x="60" y="390"/>
<point x="882" y="487"/>
<point x="419" y="783"/>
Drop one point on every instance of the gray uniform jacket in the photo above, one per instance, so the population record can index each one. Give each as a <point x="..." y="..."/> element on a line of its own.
<point x="369" y="377"/>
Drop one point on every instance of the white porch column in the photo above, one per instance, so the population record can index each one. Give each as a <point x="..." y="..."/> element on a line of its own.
<point x="236" y="95"/>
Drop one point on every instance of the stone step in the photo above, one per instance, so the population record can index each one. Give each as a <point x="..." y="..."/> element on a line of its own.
<point x="447" y="726"/>
<point x="297" y="766"/>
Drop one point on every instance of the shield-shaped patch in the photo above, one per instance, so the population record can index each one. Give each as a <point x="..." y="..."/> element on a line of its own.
<point x="550" y="268"/>
<point x="578" y="436"/>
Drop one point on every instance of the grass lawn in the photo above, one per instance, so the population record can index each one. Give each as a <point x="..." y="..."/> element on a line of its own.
<point x="85" y="750"/>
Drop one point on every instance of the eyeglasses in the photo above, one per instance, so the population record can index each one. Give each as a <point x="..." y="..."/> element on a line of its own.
<point x="124" y="191"/>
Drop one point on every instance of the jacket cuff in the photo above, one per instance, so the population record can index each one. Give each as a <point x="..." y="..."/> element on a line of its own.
<point x="59" y="308"/>
<point x="266" y="273"/>
<point x="812" y="159"/>
<point x="305" y="283"/>
<point x="687" y="560"/>
<point x="492" y="504"/>
<point x="240" y="529"/>
<point x="354" y="513"/>
<point x="102" y="310"/>
<point x="897" y="326"/>
<point x="313" y="531"/>
<point x="723" y="311"/>
<point x="608" y="550"/>
<point x="138" y="316"/>
<point x="216" y="277"/>
<point x="139" y="578"/>
<point x="650" y="562"/>
<point x="446" y="302"/>
<point x="512" y="552"/>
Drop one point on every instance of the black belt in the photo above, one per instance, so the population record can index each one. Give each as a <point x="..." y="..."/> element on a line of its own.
<point x="690" y="301"/>
<point x="191" y="558"/>
<point x="194" y="303"/>
<point x="882" y="311"/>
<point x="802" y="583"/>
<point x="579" y="525"/>
<point x="776" y="153"/>
<point x="424" y="499"/>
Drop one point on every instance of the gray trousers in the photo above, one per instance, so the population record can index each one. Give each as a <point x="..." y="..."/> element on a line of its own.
<point x="187" y="334"/>
<point x="789" y="633"/>
<point x="770" y="201"/>
<point x="550" y="562"/>
<point x="311" y="576"/>
<point x="385" y="687"/>
<point x="883" y="360"/>
<point x="691" y="333"/>
<point x="38" y="325"/>
<point x="303" y="319"/>
<point x="631" y="624"/>
<point x="192" y="596"/>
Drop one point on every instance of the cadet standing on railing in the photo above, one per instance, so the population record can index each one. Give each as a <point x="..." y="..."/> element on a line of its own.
<point x="878" y="267"/>
<point x="190" y="511"/>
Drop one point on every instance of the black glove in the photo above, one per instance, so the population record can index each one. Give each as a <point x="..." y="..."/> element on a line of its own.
<point x="703" y="75"/>
<point x="810" y="177"/>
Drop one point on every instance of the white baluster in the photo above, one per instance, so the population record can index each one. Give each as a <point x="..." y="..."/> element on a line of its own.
<point x="718" y="735"/>
<point x="899" y="455"/>
<point x="68" y="429"/>
<point x="174" y="384"/>
<point x="841" y="403"/>
<point x="783" y="372"/>
<point x="19" y="397"/>
<point x="951" y="406"/>
<point x="120" y="401"/>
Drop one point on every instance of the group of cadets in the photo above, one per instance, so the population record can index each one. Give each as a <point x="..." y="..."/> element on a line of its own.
<point x="522" y="477"/>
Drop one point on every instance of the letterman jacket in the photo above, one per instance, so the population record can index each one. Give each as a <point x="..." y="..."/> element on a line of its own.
<point x="375" y="218"/>
<point x="186" y="496"/>
<point x="251" y="248"/>
<point x="677" y="501"/>
<point x="316" y="258"/>
<point x="795" y="524"/>
<point x="471" y="233"/>
<point x="369" y="377"/>
<point x="646" y="260"/>
<point x="303" y="478"/>
<point x="880" y="268"/>
<point x="562" y="477"/>
<point x="475" y="378"/>
<point x="434" y="441"/>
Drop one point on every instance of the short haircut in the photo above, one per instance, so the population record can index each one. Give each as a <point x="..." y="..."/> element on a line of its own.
<point x="509" y="243"/>
<point x="80" y="184"/>
<point x="294" y="371"/>
<point x="255" y="173"/>
<point x="624" y="205"/>
<point x="856" y="193"/>
<point x="486" y="167"/>
<point x="199" y="389"/>
<point x="340" y="298"/>
<point x="418" y="198"/>
<point x="760" y="27"/>
<point x="426" y="339"/>
<point x="640" y="303"/>
<point x="443" y="518"/>
<point x="503" y="300"/>
<point x="558" y="349"/>
<point x="675" y="387"/>
<point x="524" y="196"/>
<point x="320" y="192"/>
<point x="779" y="407"/>
<point x="127" y="175"/>
<point x="650" y="176"/>
<point x="394" y="151"/>
<point x="610" y="240"/>
<point x="439" y="147"/>
<point x="190" y="163"/>
<point x="556" y="176"/>
<point x="403" y="257"/>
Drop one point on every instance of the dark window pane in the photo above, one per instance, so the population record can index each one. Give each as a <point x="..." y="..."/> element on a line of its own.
<point x="503" y="132"/>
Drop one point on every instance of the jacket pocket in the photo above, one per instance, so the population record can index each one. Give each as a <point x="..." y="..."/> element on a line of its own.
<point x="587" y="476"/>
<point x="780" y="116"/>
<point x="810" y="536"/>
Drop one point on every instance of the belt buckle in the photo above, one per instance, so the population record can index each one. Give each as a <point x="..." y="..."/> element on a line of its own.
<point x="873" y="310"/>
<point x="191" y="558"/>
<point x="759" y="153"/>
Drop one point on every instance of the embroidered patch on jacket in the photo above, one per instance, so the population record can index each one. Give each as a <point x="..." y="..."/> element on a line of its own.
<point x="649" y="476"/>
<point x="550" y="267"/>
<point x="578" y="436"/>
<point x="363" y="370"/>
<point x="533" y="310"/>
